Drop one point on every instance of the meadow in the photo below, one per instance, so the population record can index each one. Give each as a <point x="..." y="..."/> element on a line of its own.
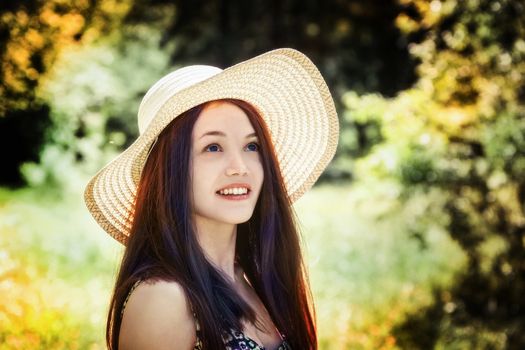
<point x="367" y="272"/>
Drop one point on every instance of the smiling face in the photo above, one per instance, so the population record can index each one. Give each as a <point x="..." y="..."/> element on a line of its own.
<point x="227" y="172"/>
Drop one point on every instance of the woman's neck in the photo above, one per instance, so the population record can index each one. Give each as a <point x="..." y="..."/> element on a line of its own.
<point x="217" y="240"/>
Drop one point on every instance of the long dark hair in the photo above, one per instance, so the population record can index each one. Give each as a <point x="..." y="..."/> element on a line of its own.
<point x="163" y="244"/>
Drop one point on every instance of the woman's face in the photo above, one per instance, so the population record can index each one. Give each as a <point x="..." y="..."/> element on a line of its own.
<point x="225" y="155"/>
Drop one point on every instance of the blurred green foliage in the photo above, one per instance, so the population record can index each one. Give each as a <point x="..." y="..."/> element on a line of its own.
<point x="55" y="273"/>
<point x="35" y="32"/>
<point x="348" y="40"/>
<point x="461" y="131"/>
<point x="94" y="92"/>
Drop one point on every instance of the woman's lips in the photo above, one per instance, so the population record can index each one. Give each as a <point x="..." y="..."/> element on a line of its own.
<point x="238" y="197"/>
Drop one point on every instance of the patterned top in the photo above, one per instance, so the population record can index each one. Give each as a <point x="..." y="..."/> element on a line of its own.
<point x="233" y="340"/>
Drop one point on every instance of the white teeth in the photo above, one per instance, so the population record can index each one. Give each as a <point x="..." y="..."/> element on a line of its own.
<point x="234" y="191"/>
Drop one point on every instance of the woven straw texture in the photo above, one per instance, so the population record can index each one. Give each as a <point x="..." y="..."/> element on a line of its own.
<point x="283" y="85"/>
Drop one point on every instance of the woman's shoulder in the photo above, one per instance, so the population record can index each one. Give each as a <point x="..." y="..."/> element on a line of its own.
<point x="158" y="287"/>
<point x="157" y="315"/>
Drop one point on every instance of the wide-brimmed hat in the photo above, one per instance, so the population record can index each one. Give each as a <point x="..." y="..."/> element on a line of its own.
<point x="285" y="88"/>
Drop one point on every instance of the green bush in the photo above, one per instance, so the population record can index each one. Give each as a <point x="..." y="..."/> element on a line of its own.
<point x="460" y="132"/>
<point x="94" y="93"/>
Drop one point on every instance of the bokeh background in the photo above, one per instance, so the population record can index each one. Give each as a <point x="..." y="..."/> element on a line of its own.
<point x="414" y="236"/>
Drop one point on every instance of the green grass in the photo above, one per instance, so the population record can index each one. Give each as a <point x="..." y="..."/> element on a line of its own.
<point x="57" y="267"/>
<point x="57" y="270"/>
<point x="366" y="270"/>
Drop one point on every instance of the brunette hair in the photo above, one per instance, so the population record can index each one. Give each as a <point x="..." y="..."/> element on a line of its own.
<point x="163" y="244"/>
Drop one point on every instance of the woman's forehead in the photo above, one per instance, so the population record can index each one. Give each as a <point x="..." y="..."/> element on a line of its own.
<point x="222" y="119"/>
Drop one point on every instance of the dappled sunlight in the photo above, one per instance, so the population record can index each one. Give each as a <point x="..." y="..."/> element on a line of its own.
<point x="57" y="269"/>
<point x="367" y="271"/>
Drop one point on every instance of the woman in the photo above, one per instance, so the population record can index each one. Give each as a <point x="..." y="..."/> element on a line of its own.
<point x="202" y="201"/>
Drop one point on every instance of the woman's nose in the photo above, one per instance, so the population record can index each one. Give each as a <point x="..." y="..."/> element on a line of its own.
<point x="236" y="166"/>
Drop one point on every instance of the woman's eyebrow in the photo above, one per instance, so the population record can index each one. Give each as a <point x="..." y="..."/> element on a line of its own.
<point x="220" y="133"/>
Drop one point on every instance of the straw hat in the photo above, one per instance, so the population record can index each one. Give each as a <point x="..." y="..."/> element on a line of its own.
<point x="283" y="85"/>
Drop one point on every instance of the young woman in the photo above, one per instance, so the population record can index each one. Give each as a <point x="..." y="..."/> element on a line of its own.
<point x="202" y="201"/>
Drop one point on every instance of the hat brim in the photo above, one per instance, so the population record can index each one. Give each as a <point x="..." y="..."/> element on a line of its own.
<point x="293" y="101"/>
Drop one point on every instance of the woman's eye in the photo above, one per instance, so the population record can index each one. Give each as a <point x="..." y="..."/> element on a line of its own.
<point x="253" y="146"/>
<point x="212" y="148"/>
